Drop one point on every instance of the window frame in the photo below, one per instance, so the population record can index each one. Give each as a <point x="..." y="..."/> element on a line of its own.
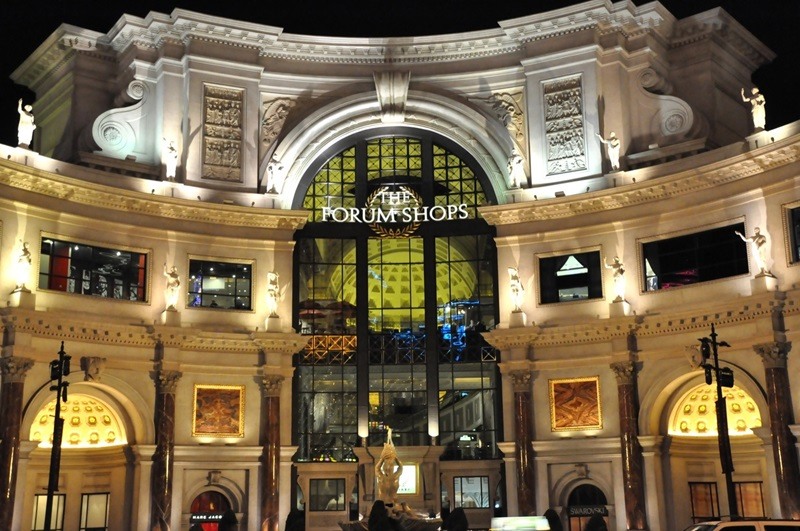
<point x="737" y="485"/>
<point x="714" y="501"/>
<point x="94" y="245"/>
<point x="485" y="501"/>
<point x="85" y="496"/>
<point x="322" y="506"/>
<point x="791" y="241"/>
<point x="251" y="263"/>
<point x="59" y="503"/>
<point x="598" y="274"/>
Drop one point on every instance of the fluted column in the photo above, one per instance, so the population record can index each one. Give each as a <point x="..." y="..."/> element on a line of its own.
<point x="632" y="459"/>
<point x="779" y="398"/>
<point x="526" y="494"/>
<point x="271" y="445"/>
<point x="163" y="458"/>
<point x="13" y="371"/>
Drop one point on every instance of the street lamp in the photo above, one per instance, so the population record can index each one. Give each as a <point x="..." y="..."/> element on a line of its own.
<point x="58" y="370"/>
<point x="724" y="378"/>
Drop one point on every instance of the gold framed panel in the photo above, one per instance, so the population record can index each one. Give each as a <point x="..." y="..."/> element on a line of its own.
<point x="218" y="411"/>
<point x="575" y="404"/>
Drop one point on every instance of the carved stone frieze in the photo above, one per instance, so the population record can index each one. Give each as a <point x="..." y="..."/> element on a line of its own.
<point x="564" y="126"/>
<point x="92" y="367"/>
<point x="276" y="111"/>
<point x="508" y="108"/>
<point x="14" y="369"/>
<point x="774" y="353"/>
<point x="223" y="130"/>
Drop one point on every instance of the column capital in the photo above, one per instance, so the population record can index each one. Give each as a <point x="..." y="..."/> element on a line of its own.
<point x="271" y="384"/>
<point x="167" y="381"/>
<point x="14" y="369"/>
<point x="623" y="371"/>
<point x="521" y="380"/>
<point x="774" y="353"/>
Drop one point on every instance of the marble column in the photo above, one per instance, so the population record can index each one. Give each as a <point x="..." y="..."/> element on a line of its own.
<point x="271" y="447"/>
<point x="13" y="371"/>
<point x="632" y="459"/>
<point x="526" y="494"/>
<point x="163" y="458"/>
<point x="781" y="417"/>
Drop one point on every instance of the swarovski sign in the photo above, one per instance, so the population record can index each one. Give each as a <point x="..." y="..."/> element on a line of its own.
<point x="394" y="204"/>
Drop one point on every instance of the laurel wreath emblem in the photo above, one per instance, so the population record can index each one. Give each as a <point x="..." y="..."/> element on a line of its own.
<point x="387" y="232"/>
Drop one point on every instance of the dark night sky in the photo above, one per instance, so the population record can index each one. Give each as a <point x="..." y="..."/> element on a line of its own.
<point x="26" y="25"/>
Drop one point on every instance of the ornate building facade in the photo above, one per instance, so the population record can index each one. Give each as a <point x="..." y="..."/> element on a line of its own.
<point x="264" y="252"/>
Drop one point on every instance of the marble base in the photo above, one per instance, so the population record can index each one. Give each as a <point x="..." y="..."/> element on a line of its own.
<point x="619" y="308"/>
<point x="22" y="298"/>
<point x="762" y="283"/>
<point x="171" y="317"/>
<point x="272" y="323"/>
<point x="517" y="319"/>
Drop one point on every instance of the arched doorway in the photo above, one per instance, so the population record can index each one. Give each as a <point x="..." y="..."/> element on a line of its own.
<point x="208" y="508"/>
<point x="584" y="502"/>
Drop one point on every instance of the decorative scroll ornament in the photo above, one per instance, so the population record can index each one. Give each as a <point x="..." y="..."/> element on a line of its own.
<point x="508" y="109"/>
<point x="123" y="133"/>
<point x="392" y="91"/>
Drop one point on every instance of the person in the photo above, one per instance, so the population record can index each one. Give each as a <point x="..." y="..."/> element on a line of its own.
<point x="758" y="108"/>
<point x="229" y="522"/>
<point x="516" y="169"/>
<point x="612" y="149"/>
<point x="759" y="243"/>
<point x="388" y="470"/>
<point x="517" y="290"/>
<point x="26" y="125"/>
<point x="619" y="278"/>
<point x="457" y="521"/>
<point x="196" y="527"/>
<point x="173" y="286"/>
<point x="596" y="523"/>
<point x="553" y="520"/>
<point x="379" y="519"/>
<point x="273" y="293"/>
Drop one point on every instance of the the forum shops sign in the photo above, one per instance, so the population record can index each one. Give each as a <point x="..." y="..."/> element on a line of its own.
<point x="394" y="212"/>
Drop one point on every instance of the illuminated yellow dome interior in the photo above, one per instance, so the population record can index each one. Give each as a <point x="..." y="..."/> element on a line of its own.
<point x="88" y="423"/>
<point x="695" y="413"/>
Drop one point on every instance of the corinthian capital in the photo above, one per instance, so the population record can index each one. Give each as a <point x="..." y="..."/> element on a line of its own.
<point x="271" y="384"/>
<point x="774" y="353"/>
<point x="167" y="381"/>
<point x="15" y="369"/>
<point x="624" y="372"/>
<point x="521" y="381"/>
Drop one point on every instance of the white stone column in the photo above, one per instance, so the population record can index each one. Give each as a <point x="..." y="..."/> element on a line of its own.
<point x="141" y="463"/>
<point x="655" y="507"/>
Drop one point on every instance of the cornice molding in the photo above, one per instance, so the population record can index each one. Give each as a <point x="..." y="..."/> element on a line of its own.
<point x="84" y="193"/>
<point x="682" y="184"/>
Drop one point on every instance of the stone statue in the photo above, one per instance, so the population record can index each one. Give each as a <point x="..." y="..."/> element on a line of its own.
<point x="517" y="290"/>
<point x="23" y="267"/>
<point x="26" y="125"/>
<point x="612" y="149"/>
<point x="387" y="471"/>
<point x="275" y="176"/>
<point x="92" y="368"/>
<point x="757" y="108"/>
<point x="619" y="278"/>
<point x="173" y="287"/>
<point x="516" y="169"/>
<point x="758" y="242"/>
<point x="273" y="293"/>
<point x="171" y="159"/>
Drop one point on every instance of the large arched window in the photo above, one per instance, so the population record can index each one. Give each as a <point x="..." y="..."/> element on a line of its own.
<point x="395" y="279"/>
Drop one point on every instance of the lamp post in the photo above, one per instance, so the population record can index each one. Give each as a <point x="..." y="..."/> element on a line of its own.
<point x="724" y="378"/>
<point x="58" y="370"/>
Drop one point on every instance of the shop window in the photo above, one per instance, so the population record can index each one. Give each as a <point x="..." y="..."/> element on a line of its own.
<point x="570" y="277"/>
<point x="40" y="511"/>
<point x="585" y="503"/>
<point x="471" y="492"/>
<point x="794" y="224"/>
<point x="327" y="495"/>
<point x="705" y="501"/>
<point x="74" y="267"/>
<point x="692" y="258"/>
<point x="94" y="512"/>
<point x="749" y="498"/>
<point x="217" y="284"/>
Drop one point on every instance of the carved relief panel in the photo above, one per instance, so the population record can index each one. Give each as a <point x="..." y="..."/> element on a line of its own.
<point x="564" y="126"/>
<point x="222" y="133"/>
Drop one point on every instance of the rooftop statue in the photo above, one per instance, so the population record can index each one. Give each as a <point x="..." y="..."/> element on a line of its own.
<point x="619" y="278"/>
<point x="758" y="109"/>
<point x="758" y="242"/>
<point x="26" y="125"/>
<point x="173" y="286"/>
<point x="517" y="290"/>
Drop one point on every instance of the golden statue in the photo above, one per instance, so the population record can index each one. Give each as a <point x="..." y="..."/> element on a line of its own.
<point x="387" y="471"/>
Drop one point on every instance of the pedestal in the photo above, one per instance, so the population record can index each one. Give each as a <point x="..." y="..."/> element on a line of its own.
<point x="762" y="283"/>
<point x="272" y="323"/>
<point x="759" y="139"/>
<point x="517" y="319"/>
<point x="619" y="308"/>
<point x="22" y="298"/>
<point x="171" y="317"/>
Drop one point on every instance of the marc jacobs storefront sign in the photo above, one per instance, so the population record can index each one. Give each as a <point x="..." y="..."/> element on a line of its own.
<point x="395" y="205"/>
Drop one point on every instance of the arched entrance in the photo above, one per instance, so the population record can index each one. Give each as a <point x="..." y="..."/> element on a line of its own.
<point x="584" y="502"/>
<point x="208" y="508"/>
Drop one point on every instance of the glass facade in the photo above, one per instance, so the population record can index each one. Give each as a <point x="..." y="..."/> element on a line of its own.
<point x="219" y="284"/>
<point x="395" y="280"/>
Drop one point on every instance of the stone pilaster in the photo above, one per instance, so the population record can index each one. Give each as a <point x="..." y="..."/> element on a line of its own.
<point x="271" y="451"/>
<point x="632" y="459"/>
<point x="781" y="416"/>
<point x="164" y="456"/>
<point x="526" y="493"/>
<point x="13" y="371"/>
